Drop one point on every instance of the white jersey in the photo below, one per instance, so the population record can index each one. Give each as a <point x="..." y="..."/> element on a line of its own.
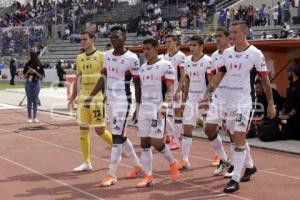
<point x="196" y="72"/>
<point x="177" y="61"/>
<point x="221" y="92"/>
<point x="151" y="77"/>
<point x="238" y="66"/>
<point x="119" y="71"/>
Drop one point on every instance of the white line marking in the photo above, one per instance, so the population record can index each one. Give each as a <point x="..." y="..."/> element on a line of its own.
<point x="279" y="174"/>
<point x="108" y="160"/>
<point x="204" y="197"/>
<point x="50" y="178"/>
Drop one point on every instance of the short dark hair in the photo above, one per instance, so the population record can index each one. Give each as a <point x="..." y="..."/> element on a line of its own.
<point x="198" y="39"/>
<point x="224" y="30"/>
<point x="174" y="37"/>
<point x="118" y="28"/>
<point x="152" y="41"/>
<point x="89" y="33"/>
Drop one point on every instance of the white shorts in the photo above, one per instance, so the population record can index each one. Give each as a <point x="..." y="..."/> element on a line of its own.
<point x="192" y="113"/>
<point x="117" y="115"/>
<point x="237" y="119"/>
<point x="149" y="125"/>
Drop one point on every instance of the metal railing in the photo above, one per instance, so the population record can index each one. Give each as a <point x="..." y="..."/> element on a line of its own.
<point x="225" y="4"/>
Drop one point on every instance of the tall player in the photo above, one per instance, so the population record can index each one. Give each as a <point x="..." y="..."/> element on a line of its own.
<point x="120" y="67"/>
<point x="237" y="63"/>
<point x="89" y="66"/>
<point x="197" y="68"/>
<point x="216" y="114"/>
<point x="153" y="108"/>
<point x="177" y="59"/>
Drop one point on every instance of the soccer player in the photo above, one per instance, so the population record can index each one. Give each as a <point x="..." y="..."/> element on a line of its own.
<point x="237" y="63"/>
<point x="120" y="67"/>
<point x="153" y="108"/>
<point x="197" y="68"/>
<point x="177" y="59"/>
<point x="89" y="65"/>
<point x="216" y="113"/>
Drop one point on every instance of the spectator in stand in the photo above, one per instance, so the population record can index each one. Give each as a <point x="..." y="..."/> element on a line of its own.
<point x="291" y="110"/>
<point x="275" y="16"/>
<point x="250" y="14"/>
<point x="228" y="18"/>
<point x="13" y="71"/>
<point x="66" y="33"/>
<point x="279" y="10"/>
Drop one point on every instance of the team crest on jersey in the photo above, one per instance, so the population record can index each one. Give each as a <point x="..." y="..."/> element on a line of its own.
<point x="201" y="65"/>
<point x="195" y="65"/>
<point x="149" y="68"/>
<point x="82" y="60"/>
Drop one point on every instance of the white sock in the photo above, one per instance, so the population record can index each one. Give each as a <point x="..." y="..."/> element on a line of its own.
<point x="167" y="154"/>
<point x="177" y="129"/>
<point x="218" y="148"/>
<point x="146" y="160"/>
<point x="186" y="147"/>
<point x="115" y="158"/>
<point x="248" y="160"/>
<point x="129" y="151"/>
<point x="238" y="162"/>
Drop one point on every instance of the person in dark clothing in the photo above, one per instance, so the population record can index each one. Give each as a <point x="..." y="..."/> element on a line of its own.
<point x="262" y="102"/>
<point x="291" y="111"/>
<point x="60" y="73"/>
<point x="13" y="71"/>
<point x="33" y="73"/>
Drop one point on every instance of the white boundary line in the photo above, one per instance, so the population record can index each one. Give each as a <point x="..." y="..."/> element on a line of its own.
<point x="108" y="160"/>
<point x="204" y="197"/>
<point x="50" y="178"/>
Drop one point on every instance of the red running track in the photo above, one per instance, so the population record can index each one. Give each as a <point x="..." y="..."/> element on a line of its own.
<point x="36" y="162"/>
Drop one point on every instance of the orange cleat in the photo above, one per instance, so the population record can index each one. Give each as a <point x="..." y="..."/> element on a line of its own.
<point x="183" y="165"/>
<point x="134" y="171"/>
<point x="146" y="182"/>
<point x="174" y="171"/>
<point x="215" y="161"/>
<point x="108" y="181"/>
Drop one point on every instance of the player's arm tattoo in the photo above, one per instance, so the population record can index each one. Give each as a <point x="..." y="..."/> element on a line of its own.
<point x="181" y="81"/>
<point x="137" y="87"/>
<point x="267" y="88"/>
<point x="214" y="83"/>
<point x="170" y="89"/>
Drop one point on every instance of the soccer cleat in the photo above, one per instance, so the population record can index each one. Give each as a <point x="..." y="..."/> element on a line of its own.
<point x="36" y="120"/>
<point x="83" y="167"/>
<point x="108" y="181"/>
<point x="229" y="172"/>
<point x="29" y="121"/>
<point x="184" y="164"/>
<point x="215" y="161"/>
<point x="134" y="171"/>
<point x="219" y="169"/>
<point x="173" y="145"/>
<point x="232" y="186"/>
<point x="146" y="182"/>
<point x="174" y="171"/>
<point x="248" y="173"/>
